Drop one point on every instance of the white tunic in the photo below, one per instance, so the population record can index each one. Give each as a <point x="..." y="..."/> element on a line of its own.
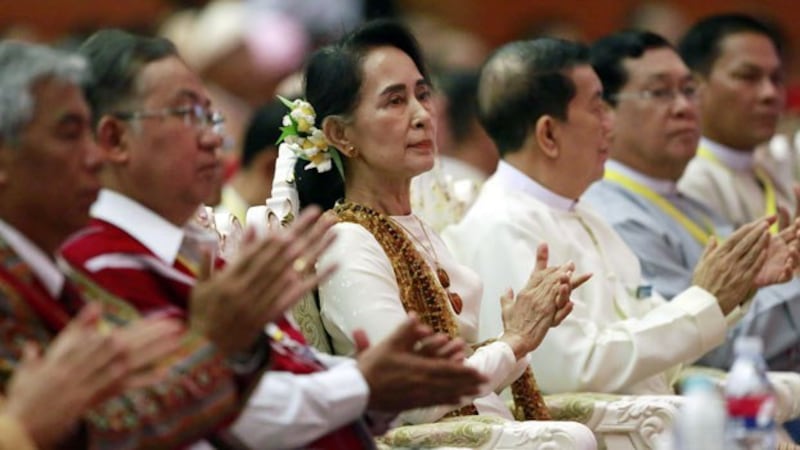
<point x="727" y="183"/>
<point x="363" y="294"/>
<point x="617" y="338"/>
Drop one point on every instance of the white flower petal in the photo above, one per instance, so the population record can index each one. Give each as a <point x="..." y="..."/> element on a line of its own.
<point x="324" y="166"/>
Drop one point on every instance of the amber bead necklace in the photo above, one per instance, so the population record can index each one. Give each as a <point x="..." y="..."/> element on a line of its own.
<point x="444" y="278"/>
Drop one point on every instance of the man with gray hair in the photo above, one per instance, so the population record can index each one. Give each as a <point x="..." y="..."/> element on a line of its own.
<point x="49" y="166"/>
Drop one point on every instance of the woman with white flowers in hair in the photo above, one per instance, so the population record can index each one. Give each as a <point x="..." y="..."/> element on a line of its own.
<point x="365" y="131"/>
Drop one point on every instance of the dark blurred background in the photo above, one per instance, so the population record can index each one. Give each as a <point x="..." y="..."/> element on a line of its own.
<point x="249" y="50"/>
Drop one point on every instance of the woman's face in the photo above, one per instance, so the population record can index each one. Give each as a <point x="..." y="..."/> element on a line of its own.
<point x="392" y="128"/>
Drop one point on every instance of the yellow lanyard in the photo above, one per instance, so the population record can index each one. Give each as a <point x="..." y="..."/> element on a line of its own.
<point x="770" y="200"/>
<point x="701" y="234"/>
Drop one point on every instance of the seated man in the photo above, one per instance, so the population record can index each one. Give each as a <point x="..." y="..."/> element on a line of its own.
<point x="153" y="119"/>
<point x="737" y="62"/>
<point x="542" y="104"/>
<point x="656" y="129"/>
<point x="49" y="168"/>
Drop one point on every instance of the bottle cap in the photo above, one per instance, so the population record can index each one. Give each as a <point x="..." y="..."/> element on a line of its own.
<point x="697" y="383"/>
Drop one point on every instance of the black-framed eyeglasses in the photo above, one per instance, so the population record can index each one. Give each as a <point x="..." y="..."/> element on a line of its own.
<point x="196" y="116"/>
<point x="663" y="96"/>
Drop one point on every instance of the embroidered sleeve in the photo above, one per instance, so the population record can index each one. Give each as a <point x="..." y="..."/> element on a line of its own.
<point x="197" y="395"/>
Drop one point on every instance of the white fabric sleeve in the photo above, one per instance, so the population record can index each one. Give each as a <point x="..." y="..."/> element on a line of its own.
<point x="582" y="353"/>
<point x="331" y="361"/>
<point x="289" y="411"/>
<point x="610" y="358"/>
<point x="519" y="367"/>
<point x="661" y="265"/>
<point x="378" y="421"/>
<point x="363" y="294"/>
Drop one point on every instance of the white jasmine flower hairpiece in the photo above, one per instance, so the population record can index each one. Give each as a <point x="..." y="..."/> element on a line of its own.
<point x="300" y="135"/>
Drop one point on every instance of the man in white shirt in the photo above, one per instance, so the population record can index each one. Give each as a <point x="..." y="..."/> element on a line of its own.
<point x="736" y="60"/>
<point x="154" y="120"/>
<point x="656" y="129"/>
<point x="542" y="104"/>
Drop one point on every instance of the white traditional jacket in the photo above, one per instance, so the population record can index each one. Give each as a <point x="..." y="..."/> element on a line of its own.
<point x="668" y="252"/>
<point x="734" y="184"/>
<point x="621" y="337"/>
<point x="364" y="294"/>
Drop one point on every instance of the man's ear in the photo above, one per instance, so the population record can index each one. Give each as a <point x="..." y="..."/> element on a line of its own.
<point x="111" y="137"/>
<point x="335" y="132"/>
<point x="546" y="133"/>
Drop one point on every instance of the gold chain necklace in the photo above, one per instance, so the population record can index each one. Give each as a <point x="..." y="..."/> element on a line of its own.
<point x="444" y="278"/>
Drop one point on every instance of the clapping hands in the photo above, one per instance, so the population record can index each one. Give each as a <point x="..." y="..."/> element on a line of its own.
<point x="543" y="303"/>
<point x="83" y="366"/>
<point x="414" y="368"/>
<point x="270" y="275"/>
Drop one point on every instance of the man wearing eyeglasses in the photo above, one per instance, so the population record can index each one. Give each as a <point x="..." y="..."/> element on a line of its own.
<point x="154" y="121"/>
<point x="49" y="166"/>
<point x="737" y="62"/>
<point x="656" y="130"/>
<point x="543" y="105"/>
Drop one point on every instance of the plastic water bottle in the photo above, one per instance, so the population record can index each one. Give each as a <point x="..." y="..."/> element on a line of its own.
<point x="700" y="424"/>
<point x="750" y="399"/>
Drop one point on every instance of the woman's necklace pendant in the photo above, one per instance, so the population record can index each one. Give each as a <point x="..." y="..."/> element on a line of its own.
<point x="456" y="302"/>
<point x="455" y="299"/>
<point x="443" y="277"/>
